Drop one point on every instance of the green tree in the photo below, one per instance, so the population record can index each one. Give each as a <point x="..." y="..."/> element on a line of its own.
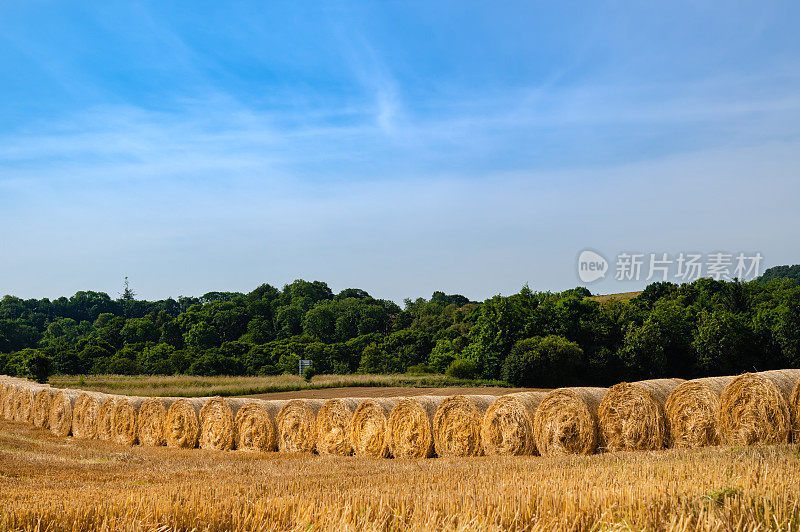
<point x="725" y="343"/>
<point x="545" y="362"/>
<point x="202" y="335"/>
<point x="661" y="346"/>
<point x="442" y="355"/>
<point x="37" y="366"/>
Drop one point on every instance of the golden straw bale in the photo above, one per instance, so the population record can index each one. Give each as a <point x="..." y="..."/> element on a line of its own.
<point x="457" y="425"/>
<point x="507" y="427"/>
<point x="182" y="428"/>
<point x="217" y="423"/>
<point x="8" y="402"/>
<point x="41" y="408"/>
<point x="61" y="411"/>
<point x="152" y="421"/>
<point x="23" y="404"/>
<point x="369" y="427"/>
<point x="255" y="427"/>
<point x="333" y="422"/>
<point x="754" y="407"/>
<point x="105" y="418"/>
<point x="794" y="407"/>
<point x="5" y="389"/>
<point x="632" y="415"/>
<point x="411" y="427"/>
<point x="297" y="425"/>
<point x="16" y="399"/>
<point x="692" y="409"/>
<point x="85" y="415"/>
<point x="566" y="421"/>
<point x="124" y="420"/>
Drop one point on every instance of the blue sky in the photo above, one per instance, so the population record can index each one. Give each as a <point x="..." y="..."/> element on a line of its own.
<point x="400" y="147"/>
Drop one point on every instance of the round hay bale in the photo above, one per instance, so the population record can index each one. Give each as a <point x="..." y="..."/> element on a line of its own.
<point x="369" y="427"/>
<point x="457" y="425"/>
<point x="23" y="405"/>
<point x="297" y="425"/>
<point x="61" y="412"/>
<point x="566" y="421"/>
<point x="507" y="427"/>
<point x="8" y="402"/>
<point x="5" y="388"/>
<point x="16" y="399"/>
<point x="632" y="415"/>
<point x="182" y="427"/>
<point x="85" y="415"/>
<point x="692" y="409"/>
<point x="411" y="427"/>
<point x="105" y="418"/>
<point x="124" y="420"/>
<point x="152" y="421"/>
<point x="333" y="422"/>
<point x="255" y="428"/>
<point x="754" y="407"/>
<point x="218" y="423"/>
<point x="41" y="408"/>
<point x="794" y="407"/>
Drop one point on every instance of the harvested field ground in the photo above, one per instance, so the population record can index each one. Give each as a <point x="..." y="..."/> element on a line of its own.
<point x="63" y="483"/>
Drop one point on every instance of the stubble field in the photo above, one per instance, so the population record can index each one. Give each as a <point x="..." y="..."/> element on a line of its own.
<point x="50" y="483"/>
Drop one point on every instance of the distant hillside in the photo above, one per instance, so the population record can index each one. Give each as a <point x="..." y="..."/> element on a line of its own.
<point x="781" y="272"/>
<point x="622" y="296"/>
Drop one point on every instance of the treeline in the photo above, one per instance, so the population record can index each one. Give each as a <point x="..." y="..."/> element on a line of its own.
<point x="530" y="338"/>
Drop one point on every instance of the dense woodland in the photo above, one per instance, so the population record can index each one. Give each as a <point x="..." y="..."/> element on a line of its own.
<point x="530" y="338"/>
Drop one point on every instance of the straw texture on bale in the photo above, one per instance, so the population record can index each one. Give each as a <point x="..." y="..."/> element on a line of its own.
<point x="692" y="409"/>
<point x="85" y="415"/>
<point x="507" y="427"/>
<point x="105" y="418"/>
<point x="217" y="423"/>
<point x="182" y="428"/>
<point x="632" y="415"/>
<point x="297" y="425"/>
<point x="125" y="420"/>
<point x="16" y="400"/>
<point x="8" y="402"/>
<point x="23" y="405"/>
<point x="411" y="427"/>
<point x="369" y="427"/>
<point x="41" y="408"/>
<point x="754" y="407"/>
<point x="255" y="428"/>
<point x="794" y="407"/>
<point x="457" y="425"/>
<point x="566" y="421"/>
<point x="152" y="421"/>
<point x="333" y="422"/>
<point x="61" y="412"/>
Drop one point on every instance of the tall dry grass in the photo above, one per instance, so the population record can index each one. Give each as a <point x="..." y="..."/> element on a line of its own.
<point x="228" y="386"/>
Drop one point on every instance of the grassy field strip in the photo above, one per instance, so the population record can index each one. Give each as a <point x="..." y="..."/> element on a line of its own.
<point x="190" y="386"/>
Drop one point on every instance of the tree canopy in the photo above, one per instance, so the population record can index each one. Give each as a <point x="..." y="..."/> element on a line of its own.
<point x="530" y="338"/>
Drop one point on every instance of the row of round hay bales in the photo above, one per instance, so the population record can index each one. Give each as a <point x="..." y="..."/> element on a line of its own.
<point x="17" y="399"/>
<point x="645" y="415"/>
